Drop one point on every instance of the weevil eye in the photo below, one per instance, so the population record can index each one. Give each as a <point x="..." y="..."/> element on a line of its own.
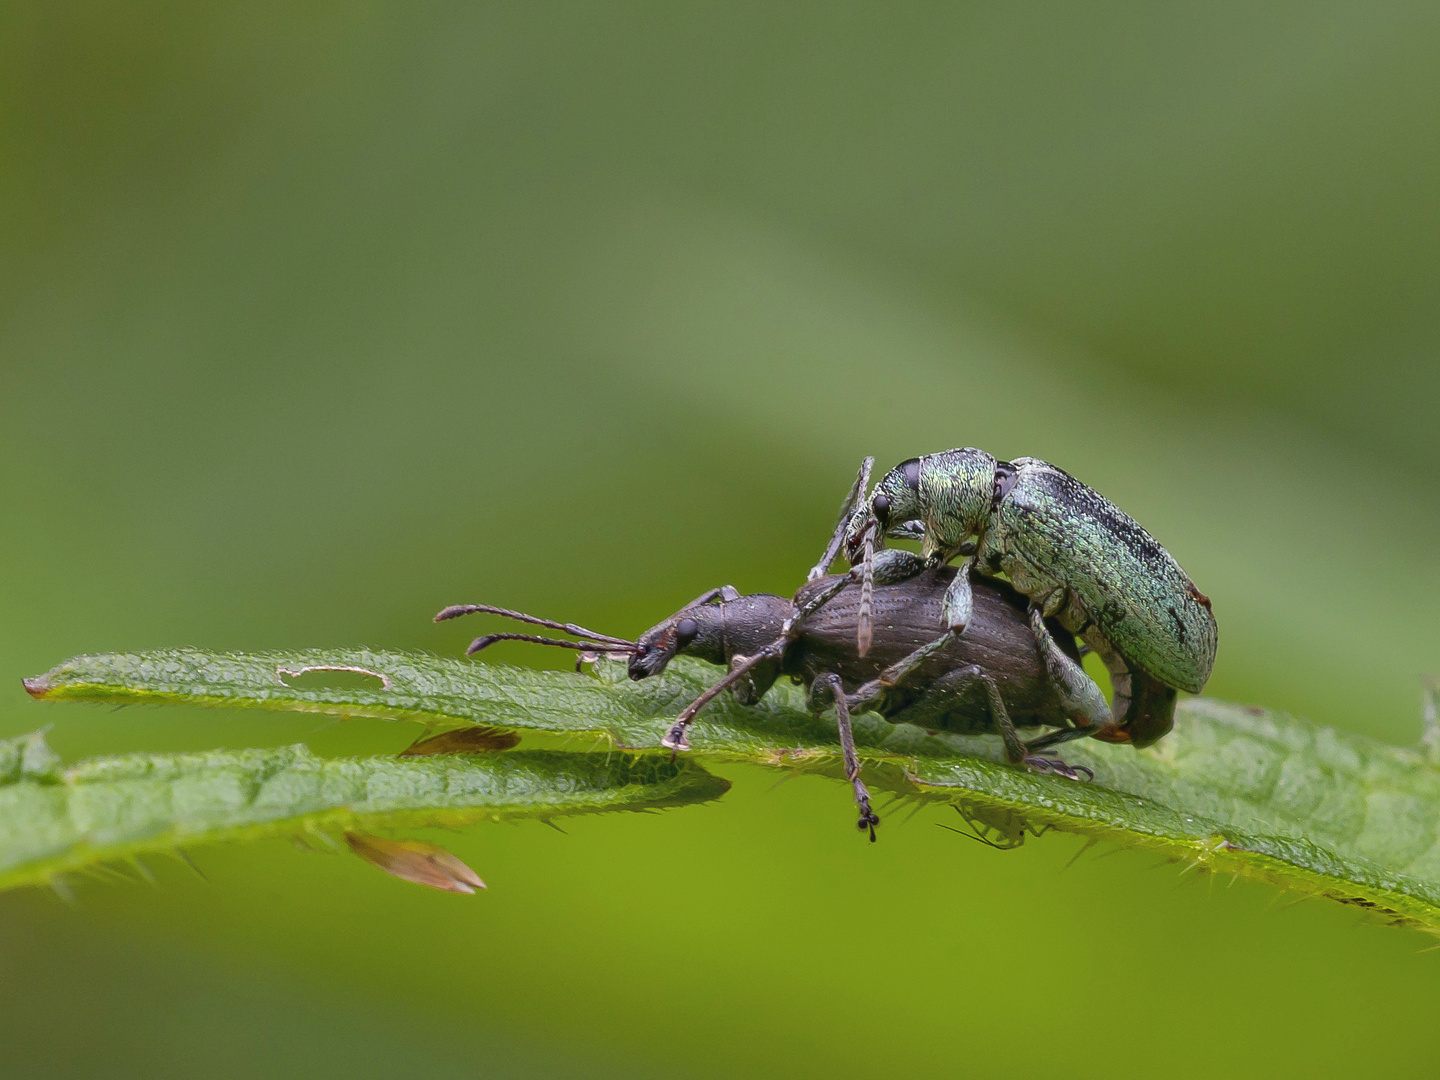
<point x="685" y="631"/>
<point x="881" y="506"/>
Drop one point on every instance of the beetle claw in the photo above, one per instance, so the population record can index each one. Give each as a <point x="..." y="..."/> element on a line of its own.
<point x="675" y="739"/>
<point x="868" y="819"/>
<point x="1056" y="767"/>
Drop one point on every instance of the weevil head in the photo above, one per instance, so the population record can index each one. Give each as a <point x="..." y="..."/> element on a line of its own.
<point x="894" y="499"/>
<point x="693" y="631"/>
<point x="716" y="631"/>
<point x="949" y="493"/>
<point x="655" y="648"/>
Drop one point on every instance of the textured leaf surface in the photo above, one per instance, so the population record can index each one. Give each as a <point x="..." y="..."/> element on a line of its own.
<point x="55" y="819"/>
<point x="1232" y="789"/>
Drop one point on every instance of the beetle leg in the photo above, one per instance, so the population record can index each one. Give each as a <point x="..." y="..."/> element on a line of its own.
<point x="958" y="601"/>
<point x="1055" y="738"/>
<point x="824" y="690"/>
<point x="907" y="530"/>
<point x="1055" y="767"/>
<point x="790" y="628"/>
<point x="757" y="681"/>
<point x="741" y="669"/>
<point x="1014" y="748"/>
<point x="1016" y="752"/>
<point x="946" y="692"/>
<point x="675" y="737"/>
<point x="1080" y="698"/>
<point x="903" y="669"/>
<point x="894" y="565"/>
<point x="724" y="592"/>
<point x="887" y="566"/>
<point x="956" y="609"/>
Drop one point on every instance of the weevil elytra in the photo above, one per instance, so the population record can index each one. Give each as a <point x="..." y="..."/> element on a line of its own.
<point x="1078" y="558"/>
<point x="991" y="680"/>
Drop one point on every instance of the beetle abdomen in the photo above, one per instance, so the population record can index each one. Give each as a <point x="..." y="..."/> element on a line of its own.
<point x="1052" y="532"/>
<point x="906" y="614"/>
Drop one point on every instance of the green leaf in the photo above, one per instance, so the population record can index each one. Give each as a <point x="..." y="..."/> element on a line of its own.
<point x="54" y="820"/>
<point x="1232" y="789"/>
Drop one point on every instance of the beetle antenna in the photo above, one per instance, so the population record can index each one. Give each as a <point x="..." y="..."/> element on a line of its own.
<point x="847" y="509"/>
<point x="864" y="626"/>
<point x="584" y="646"/>
<point x="454" y="611"/>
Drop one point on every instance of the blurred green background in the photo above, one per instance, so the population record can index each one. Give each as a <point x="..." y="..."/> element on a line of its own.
<point x="315" y="318"/>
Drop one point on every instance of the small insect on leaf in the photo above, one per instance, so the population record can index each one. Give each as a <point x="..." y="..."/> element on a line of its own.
<point x="997" y="827"/>
<point x="417" y="861"/>
<point x="477" y="739"/>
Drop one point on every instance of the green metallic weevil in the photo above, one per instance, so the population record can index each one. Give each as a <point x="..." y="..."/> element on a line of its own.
<point x="1076" y="556"/>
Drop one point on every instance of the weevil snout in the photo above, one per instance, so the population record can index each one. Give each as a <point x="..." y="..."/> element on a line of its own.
<point x="648" y="660"/>
<point x="867" y="528"/>
<point x="658" y="646"/>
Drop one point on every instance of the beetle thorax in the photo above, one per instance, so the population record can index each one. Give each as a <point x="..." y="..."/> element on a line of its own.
<point x="955" y="489"/>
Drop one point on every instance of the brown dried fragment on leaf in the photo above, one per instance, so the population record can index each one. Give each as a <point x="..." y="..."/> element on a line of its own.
<point x="477" y="739"/>
<point x="417" y="861"/>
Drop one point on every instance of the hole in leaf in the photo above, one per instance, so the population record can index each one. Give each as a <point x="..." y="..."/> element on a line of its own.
<point x="332" y="677"/>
